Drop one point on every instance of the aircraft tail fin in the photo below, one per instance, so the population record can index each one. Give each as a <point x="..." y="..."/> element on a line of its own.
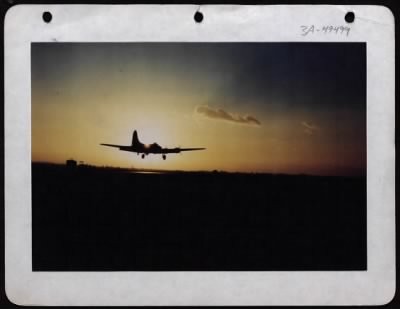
<point x="135" y="138"/>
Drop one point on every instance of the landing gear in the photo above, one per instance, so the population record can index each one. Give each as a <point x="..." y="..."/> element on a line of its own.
<point x="164" y="156"/>
<point x="143" y="155"/>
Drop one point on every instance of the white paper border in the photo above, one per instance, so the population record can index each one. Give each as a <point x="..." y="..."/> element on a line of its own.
<point x="116" y="23"/>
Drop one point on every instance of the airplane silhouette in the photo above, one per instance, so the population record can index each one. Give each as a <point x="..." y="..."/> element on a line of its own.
<point x="146" y="149"/>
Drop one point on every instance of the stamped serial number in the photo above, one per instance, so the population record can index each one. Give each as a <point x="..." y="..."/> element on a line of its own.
<point x="312" y="29"/>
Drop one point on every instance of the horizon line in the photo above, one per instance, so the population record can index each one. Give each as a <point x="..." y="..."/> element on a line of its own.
<point x="85" y="164"/>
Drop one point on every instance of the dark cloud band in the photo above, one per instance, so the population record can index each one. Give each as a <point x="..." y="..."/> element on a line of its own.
<point x="220" y="114"/>
<point x="309" y="128"/>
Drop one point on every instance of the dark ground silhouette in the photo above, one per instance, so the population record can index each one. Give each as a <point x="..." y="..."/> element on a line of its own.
<point x="96" y="219"/>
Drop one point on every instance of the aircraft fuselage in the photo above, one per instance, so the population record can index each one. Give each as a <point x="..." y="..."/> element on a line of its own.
<point x="149" y="148"/>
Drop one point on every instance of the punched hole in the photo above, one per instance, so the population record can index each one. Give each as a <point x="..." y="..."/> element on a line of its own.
<point x="349" y="17"/>
<point x="47" y="17"/>
<point x="198" y="17"/>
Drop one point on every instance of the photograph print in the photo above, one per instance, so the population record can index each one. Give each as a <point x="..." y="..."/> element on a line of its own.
<point x="199" y="156"/>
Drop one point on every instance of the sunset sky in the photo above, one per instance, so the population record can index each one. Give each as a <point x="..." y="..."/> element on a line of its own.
<point x="257" y="107"/>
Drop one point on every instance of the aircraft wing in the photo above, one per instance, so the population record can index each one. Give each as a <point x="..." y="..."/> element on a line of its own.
<point x="111" y="145"/>
<point x="178" y="150"/>
<point x="190" y="149"/>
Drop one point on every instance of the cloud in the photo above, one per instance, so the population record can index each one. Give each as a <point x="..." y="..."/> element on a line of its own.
<point x="221" y="114"/>
<point x="309" y="128"/>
